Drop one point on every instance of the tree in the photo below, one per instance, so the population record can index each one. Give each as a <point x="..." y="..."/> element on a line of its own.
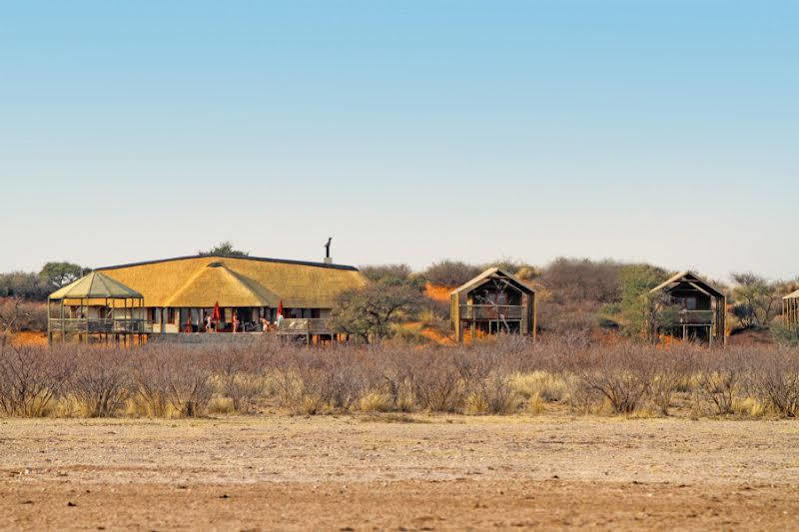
<point x="757" y="301"/>
<point x="370" y="311"/>
<point x="224" y="249"/>
<point x="23" y="284"/>
<point x="643" y="312"/>
<point x="54" y="275"/>
<point x="450" y="273"/>
<point x="387" y="272"/>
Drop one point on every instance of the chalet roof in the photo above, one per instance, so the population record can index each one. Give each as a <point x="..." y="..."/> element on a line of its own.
<point x="480" y="279"/>
<point x="689" y="278"/>
<point x="95" y="286"/>
<point x="792" y="295"/>
<point x="201" y="281"/>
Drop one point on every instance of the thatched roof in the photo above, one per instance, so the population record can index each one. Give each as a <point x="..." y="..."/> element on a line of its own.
<point x="489" y="274"/>
<point x="792" y="295"/>
<point x="95" y="286"/>
<point x="236" y="282"/>
<point x="690" y="279"/>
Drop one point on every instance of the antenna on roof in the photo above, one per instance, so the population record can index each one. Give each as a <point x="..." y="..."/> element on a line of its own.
<point x="328" y="260"/>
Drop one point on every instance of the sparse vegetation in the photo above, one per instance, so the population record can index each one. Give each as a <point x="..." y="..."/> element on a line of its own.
<point x="507" y="376"/>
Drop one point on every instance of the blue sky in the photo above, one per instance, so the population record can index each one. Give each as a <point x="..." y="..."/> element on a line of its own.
<point x="639" y="130"/>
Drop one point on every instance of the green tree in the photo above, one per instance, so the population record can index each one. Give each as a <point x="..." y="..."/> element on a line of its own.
<point x="757" y="301"/>
<point x="224" y="249"/>
<point x="369" y="312"/>
<point x="54" y="275"/>
<point x="643" y="313"/>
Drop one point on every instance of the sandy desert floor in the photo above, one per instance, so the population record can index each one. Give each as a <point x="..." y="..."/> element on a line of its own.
<point x="366" y="472"/>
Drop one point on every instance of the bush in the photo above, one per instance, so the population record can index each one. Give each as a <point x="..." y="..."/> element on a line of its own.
<point x="21" y="315"/>
<point x="387" y="272"/>
<point x="172" y="382"/>
<point x="720" y="379"/>
<point x="776" y="381"/>
<point x="31" y="378"/>
<point x="622" y="375"/>
<point x="451" y="273"/>
<point x="102" y="382"/>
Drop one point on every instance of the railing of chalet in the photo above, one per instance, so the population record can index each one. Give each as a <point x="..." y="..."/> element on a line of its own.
<point x="694" y="317"/>
<point x="99" y="325"/>
<point x="491" y="312"/>
<point x="304" y="326"/>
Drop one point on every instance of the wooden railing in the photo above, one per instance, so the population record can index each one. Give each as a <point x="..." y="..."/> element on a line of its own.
<point x="304" y="326"/>
<point x="695" y="317"/>
<point x="100" y="325"/>
<point x="491" y="312"/>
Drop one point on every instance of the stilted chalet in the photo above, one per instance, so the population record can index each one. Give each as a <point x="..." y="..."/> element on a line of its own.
<point x="700" y="309"/>
<point x="96" y="308"/>
<point x="790" y="308"/>
<point x="237" y="294"/>
<point x="494" y="301"/>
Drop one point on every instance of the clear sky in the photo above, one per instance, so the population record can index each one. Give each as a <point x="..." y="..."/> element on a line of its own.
<point x="660" y="131"/>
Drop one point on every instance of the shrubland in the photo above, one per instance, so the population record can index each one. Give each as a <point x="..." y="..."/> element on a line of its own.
<point x="512" y="375"/>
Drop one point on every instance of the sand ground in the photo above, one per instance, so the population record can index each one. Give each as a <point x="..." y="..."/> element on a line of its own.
<point x="366" y="472"/>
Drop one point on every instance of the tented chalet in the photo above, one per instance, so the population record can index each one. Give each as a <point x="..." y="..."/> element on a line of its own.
<point x="701" y="309"/>
<point x="493" y="302"/>
<point x="790" y="308"/>
<point x="180" y="294"/>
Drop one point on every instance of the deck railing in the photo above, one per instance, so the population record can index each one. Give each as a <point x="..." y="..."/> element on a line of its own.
<point x="100" y="325"/>
<point x="491" y="312"/>
<point x="695" y="317"/>
<point x="304" y="326"/>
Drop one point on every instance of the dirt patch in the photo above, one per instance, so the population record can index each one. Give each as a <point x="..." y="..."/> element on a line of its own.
<point x="445" y="472"/>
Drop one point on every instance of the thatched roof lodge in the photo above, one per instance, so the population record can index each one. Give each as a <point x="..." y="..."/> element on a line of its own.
<point x="493" y="302"/>
<point x="701" y="309"/>
<point x="181" y="293"/>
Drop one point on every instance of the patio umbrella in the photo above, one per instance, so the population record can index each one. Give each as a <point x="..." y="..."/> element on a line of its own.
<point x="216" y="317"/>
<point x="280" y="308"/>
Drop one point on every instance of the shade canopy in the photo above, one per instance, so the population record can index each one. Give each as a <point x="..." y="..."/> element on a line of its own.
<point x="95" y="286"/>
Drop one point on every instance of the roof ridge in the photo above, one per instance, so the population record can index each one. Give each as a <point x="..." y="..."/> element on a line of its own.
<point x="245" y="282"/>
<point x="191" y="279"/>
<point x="262" y="259"/>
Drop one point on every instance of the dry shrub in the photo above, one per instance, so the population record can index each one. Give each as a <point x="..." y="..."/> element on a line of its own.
<point x="621" y="374"/>
<point x="721" y="378"/>
<point x="671" y="369"/>
<point x="493" y="395"/>
<point x="436" y="380"/>
<point x="238" y="373"/>
<point x="172" y="381"/>
<point x="775" y="380"/>
<point x="101" y="382"/>
<point x="32" y="378"/>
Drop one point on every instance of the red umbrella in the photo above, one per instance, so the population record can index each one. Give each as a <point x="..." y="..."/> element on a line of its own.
<point x="280" y="307"/>
<point x="217" y="315"/>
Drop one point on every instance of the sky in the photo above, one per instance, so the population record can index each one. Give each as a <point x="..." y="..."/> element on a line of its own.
<point x="413" y="131"/>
